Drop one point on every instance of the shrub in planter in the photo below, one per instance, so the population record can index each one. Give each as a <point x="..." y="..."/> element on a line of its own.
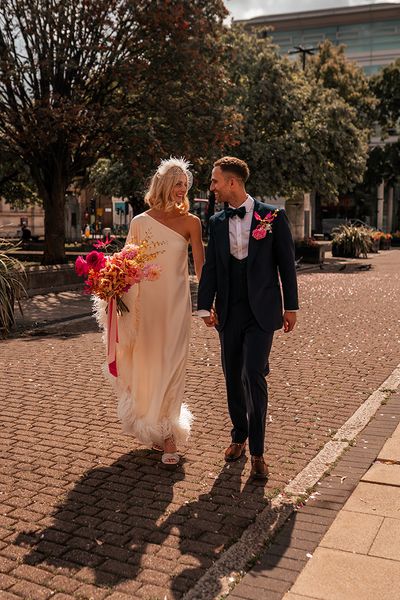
<point x="385" y="241"/>
<point x="351" y="242"/>
<point x="395" y="241"/>
<point x="12" y="279"/>
<point x="377" y="236"/>
<point x="309" y="251"/>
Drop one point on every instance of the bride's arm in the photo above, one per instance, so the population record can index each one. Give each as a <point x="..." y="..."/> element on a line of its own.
<point x="196" y="242"/>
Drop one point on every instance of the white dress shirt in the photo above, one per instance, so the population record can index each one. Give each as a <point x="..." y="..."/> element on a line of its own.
<point x="239" y="230"/>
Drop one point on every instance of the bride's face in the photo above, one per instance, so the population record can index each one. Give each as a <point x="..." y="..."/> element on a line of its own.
<point x="179" y="190"/>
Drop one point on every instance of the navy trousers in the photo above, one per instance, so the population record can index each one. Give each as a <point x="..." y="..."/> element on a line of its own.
<point x="245" y="349"/>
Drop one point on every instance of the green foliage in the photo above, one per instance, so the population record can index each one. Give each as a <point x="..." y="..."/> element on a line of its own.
<point x="183" y="103"/>
<point x="16" y="185"/>
<point x="383" y="165"/>
<point x="330" y="67"/>
<point x="12" y="279"/>
<point x="351" y="241"/>
<point x="384" y="161"/>
<point x="297" y="134"/>
<point x="386" y="86"/>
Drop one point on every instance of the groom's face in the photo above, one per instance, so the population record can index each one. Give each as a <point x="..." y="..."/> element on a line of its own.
<point x="220" y="185"/>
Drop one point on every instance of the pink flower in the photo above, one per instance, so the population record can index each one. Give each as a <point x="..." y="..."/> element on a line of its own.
<point x="152" y="272"/>
<point x="88" y="287"/>
<point x="259" y="233"/>
<point x="134" y="275"/>
<point x="100" y="244"/>
<point x="81" y="267"/>
<point x="130" y="251"/>
<point x="96" y="260"/>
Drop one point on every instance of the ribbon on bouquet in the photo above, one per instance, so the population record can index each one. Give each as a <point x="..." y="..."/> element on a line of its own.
<point x="112" y="337"/>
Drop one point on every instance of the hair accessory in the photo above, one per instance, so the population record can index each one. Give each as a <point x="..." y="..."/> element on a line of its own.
<point x="175" y="163"/>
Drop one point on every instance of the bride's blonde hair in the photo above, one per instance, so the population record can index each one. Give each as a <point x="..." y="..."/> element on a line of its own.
<point x="159" y="193"/>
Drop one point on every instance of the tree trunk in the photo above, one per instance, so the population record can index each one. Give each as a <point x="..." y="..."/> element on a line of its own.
<point x="53" y="193"/>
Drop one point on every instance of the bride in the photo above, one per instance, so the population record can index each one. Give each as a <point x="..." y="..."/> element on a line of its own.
<point x="154" y="335"/>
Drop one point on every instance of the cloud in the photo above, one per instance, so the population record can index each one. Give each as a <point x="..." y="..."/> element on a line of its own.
<point x="246" y="9"/>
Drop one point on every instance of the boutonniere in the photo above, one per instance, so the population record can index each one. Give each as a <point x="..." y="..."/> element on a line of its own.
<point x="264" y="224"/>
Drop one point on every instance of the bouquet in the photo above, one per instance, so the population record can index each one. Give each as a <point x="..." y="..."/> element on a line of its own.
<point x="109" y="277"/>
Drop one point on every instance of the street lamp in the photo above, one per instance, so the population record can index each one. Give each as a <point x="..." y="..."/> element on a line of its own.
<point x="303" y="52"/>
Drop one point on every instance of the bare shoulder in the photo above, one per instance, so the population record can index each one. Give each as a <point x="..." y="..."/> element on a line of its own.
<point x="192" y="220"/>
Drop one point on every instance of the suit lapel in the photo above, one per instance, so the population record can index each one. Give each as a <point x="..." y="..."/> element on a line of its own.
<point x="253" y="243"/>
<point x="222" y="237"/>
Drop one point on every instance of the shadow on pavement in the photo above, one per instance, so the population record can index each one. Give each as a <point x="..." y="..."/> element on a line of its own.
<point x="337" y="265"/>
<point x="116" y="518"/>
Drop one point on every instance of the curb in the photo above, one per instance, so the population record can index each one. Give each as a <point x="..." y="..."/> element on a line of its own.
<point x="57" y="326"/>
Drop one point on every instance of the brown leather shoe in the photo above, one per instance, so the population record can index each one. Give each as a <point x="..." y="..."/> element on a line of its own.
<point x="235" y="451"/>
<point x="259" y="469"/>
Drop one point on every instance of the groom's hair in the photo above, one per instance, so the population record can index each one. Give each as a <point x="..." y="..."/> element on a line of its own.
<point x="231" y="164"/>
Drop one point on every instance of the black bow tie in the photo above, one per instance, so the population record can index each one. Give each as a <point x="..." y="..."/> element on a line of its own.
<point x="235" y="212"/>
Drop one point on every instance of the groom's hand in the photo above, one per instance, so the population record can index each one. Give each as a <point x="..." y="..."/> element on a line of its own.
<point x="212" y="320"/>
<point x="289" y="320"/>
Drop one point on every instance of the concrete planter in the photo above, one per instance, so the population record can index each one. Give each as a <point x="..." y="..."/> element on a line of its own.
<point x="375" y="245"/>
<point x="310" y="254"/>
<point x="52" y="278"/>
<point x="384" y="244"/>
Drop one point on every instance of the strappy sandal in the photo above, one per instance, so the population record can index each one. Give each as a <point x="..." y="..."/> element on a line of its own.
<point x="157" y="448"/>
<point x="170" y="458"/>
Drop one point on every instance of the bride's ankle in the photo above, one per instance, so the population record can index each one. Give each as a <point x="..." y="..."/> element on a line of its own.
<point x="169" y="444"/>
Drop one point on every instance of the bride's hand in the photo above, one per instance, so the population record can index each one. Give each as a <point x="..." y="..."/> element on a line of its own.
<point x="212" y="319"/>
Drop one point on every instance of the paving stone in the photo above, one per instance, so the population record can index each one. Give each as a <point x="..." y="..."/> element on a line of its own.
<point x="375" y="499"/>
<point x="352" y="532"/>
<point x="383" y="474"/>
<point x="91" y="592"/>
<point x="31" y="591"/>
<point x="386" y="543"/>
<point x="391" y="450"/>
<point x="337" y="575"/>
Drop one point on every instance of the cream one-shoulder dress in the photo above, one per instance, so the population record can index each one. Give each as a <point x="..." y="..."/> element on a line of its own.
<point x="153" y="342"/>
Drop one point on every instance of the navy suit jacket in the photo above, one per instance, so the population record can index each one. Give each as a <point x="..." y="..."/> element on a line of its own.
<point x="270" y="267"/>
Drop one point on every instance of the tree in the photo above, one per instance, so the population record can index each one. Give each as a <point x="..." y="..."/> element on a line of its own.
<point x="333" y="70"/>
<point x="386" y="87"/>
<point x="185" y="109"/>
<point x="297" y="135"/>
<point x="384" y="160"/>
<point x="79" y="81"/>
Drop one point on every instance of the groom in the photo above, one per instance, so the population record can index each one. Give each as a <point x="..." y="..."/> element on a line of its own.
<point x="249" y="245"/>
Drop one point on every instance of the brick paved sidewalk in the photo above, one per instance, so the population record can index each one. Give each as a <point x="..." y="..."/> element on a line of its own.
<point x="86" y="512"/>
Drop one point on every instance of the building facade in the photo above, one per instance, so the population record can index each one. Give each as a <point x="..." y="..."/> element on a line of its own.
<point x="12" y="218"/>
<point x="370" y="33"/>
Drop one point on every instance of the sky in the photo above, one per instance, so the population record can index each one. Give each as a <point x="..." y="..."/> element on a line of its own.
<point x="246" y="9"/>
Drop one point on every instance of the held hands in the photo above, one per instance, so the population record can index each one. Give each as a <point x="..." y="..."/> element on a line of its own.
<point x="289" y="320"/>
<point x="212" y="320"/>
